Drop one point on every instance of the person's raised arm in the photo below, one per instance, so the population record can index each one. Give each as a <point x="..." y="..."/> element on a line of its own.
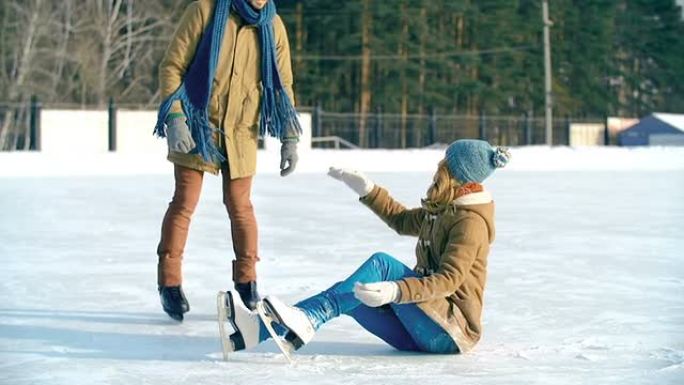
<point x="402" y="220"/>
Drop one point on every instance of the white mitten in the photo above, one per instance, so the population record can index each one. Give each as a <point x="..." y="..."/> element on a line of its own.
<point x="354" y="179"/>
<point x="178" y="135"/>
<point x="377" y="294"/>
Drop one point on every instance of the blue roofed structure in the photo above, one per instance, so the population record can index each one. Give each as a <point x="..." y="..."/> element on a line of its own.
<point x="657" y="129"/>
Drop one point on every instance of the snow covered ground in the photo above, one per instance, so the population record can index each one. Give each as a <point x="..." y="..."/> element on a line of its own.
<point x="586" y="277"/>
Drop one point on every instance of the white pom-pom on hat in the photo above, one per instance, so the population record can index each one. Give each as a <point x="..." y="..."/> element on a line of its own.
<point x="501" y="157"/>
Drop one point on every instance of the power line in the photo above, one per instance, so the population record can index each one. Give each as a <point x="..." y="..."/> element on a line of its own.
<point x="356" y="8"/>
<point x="439" y="55"/>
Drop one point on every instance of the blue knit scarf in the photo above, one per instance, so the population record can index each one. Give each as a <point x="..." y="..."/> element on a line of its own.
<point x="278" y="114"/>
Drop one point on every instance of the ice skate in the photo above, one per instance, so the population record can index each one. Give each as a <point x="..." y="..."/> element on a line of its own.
<point x="173" y="301"/>
<point x="267" y="319"/>
<point x="248" y="293"/>
<point x="244" y="322"/>
<point x="299" y="328"/>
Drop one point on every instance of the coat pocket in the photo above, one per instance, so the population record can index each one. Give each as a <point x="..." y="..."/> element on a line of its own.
<point x="251" y="108"/>
<point x="215" y="110"/>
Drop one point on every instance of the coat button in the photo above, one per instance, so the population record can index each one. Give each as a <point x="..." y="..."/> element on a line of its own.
<point x="417" y="296"/>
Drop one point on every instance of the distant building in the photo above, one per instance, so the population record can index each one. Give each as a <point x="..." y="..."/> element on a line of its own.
<point x="657" y="129"/>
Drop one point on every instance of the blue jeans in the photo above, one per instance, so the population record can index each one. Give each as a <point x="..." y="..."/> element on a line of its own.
<point x="405" y="327"/>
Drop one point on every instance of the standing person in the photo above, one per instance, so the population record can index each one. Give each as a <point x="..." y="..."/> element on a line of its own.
<point x="436" y="306"/>
<point x="226" y="78"/>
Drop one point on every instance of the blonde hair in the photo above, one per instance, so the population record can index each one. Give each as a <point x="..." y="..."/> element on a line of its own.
<point x="444" y="187"/>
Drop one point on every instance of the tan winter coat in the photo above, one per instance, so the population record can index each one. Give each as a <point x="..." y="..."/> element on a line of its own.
<point x="451" y="259"/>
<point x="236" y="92"/>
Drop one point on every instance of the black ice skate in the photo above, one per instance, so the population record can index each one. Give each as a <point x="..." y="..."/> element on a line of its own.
<point x="248" y="294"/>
<point x="173" y="301"/>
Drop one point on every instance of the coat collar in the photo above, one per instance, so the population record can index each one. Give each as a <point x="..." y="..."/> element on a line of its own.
<point x="477" y="198"/>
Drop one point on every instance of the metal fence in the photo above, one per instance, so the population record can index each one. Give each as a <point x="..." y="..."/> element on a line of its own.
<point x="20" y="128"/>
<point x="380" y="130"/>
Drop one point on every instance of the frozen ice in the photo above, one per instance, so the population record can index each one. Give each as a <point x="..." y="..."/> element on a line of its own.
<point x="585" y="285"/>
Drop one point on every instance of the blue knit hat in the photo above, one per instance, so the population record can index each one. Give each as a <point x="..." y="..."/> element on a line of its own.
<point x="474" y="160"/>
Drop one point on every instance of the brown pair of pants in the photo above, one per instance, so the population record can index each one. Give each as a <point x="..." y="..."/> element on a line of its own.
<point x="174" y="231"/>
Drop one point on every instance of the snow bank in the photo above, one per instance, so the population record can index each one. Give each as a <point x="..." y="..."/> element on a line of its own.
<point x="534" y="158"/>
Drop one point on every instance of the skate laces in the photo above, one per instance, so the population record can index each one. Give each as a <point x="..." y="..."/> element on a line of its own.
<point x="175" y="293"/>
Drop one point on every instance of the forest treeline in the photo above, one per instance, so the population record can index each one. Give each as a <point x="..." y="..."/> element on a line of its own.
<point x="618" y="57"/>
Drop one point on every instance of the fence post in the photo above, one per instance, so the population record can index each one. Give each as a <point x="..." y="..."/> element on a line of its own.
<point x="112" y="125"/>
<point x="317" y="129"/>
<point x="527" y="131"/>
<point x="433" y="125"/>
<point x="568" y="125"/>
<point x="606" y="132"/>
<point x="483" y="126"/>
<point x="34" y="124"/>
<point x="378" y="127"/>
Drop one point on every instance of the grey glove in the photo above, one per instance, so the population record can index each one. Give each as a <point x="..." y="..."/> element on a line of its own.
<point x="178" y="135"/>
<point x="288" y="156"/>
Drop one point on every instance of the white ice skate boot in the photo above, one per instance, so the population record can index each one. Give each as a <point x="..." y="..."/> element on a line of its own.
<point x="299" y="328"/>
<point x="244" y="321"/>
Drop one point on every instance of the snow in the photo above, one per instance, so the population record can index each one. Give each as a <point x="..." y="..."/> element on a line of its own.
<point x="674" y="120"/>
<point x="585" y="284"/>
<point x="532" y="158"/>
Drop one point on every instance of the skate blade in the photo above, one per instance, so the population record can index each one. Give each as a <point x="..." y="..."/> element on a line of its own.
<point x="224" y="312"/>
<point x="267" y="316"/>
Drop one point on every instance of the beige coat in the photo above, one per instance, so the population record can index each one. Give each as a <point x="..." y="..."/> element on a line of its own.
<point x="451" y="259"/>
<point x="236" y="93"/>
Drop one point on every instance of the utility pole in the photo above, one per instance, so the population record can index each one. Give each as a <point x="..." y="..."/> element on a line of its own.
<point x="548" y="101"/>
<point x="299" y="37"/>
<point x="364" y="109"/>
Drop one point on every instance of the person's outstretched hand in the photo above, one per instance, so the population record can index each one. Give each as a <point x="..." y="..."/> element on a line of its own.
<point x="354" y="179"/>
<point x="377" y="294"/>
<point x="288" y="157"/>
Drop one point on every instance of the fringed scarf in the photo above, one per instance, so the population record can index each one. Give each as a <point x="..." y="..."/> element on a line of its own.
<point x="278" y="114"/>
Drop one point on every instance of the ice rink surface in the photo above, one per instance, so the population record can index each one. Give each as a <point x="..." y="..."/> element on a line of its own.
<point x="586" y="276"/>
